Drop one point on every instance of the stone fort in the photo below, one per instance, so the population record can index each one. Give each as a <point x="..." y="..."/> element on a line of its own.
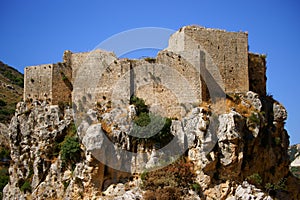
<point x="179" y="74"/>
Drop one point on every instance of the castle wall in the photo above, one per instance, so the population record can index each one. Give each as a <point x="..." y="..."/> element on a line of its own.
<point x="61" y="83"/>
<point x="116" y="79"/>
<point x="198" y="65"/>
<point x="165" y="88"/>
<point x="227" y="50"/>
<point x="92" y="74"/>
<point x="168" y="79"/>
<point x="38" y="82"/>
<point x="257" y="73"/>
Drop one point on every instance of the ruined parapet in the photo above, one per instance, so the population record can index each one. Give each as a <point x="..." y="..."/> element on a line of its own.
<point x="257" y="73"/>
<point x="67" y="57"/>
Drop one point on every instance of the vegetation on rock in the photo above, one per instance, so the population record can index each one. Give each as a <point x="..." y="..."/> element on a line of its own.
<point x="70" y="151"/>
<point x="171" y="181"/>
<point x="4" y="178"/>
<point x="11" y="86"/>
<point x="146" y="123"/>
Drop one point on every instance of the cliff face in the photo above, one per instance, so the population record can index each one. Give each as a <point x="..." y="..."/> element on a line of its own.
<point x="243" y="155"/>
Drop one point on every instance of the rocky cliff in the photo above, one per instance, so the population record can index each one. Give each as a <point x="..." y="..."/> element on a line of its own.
<point x="239" y="153"/>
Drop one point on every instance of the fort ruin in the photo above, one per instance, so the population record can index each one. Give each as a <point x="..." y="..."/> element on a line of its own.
<point x="183" y="66"/>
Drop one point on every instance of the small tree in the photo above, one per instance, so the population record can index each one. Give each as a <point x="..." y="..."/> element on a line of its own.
<point x="70" y="151"/>
<point x="140" y="105"/>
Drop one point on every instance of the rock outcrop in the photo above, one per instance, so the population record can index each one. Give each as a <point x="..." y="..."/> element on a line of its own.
<point x="294" y="153"/>
<point x="240" y="153"/>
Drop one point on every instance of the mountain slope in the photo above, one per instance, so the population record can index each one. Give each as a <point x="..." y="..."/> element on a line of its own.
<point x="11" y="90"/>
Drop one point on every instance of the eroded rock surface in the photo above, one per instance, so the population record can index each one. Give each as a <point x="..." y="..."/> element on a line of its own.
<point x="238" y="154"/>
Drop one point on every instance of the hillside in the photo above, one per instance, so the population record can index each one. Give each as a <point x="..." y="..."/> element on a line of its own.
<point x="11" y="90"/>
<point x="11" y="87"/>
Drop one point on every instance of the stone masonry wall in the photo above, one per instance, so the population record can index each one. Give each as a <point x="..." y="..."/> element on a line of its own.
<point x="175" y="79"/>
<point x="160" y="82"/>
<point x="257" y="73"/>
<point x="228" y="51"/>
<point x="61" y="83"/>
<point x="38" y="82"/>
<point x="51" y="82"/>
<point x="89" y="70"/>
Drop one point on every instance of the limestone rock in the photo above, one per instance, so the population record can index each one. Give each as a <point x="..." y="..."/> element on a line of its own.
<point x="118" y="192"/>
<point x="33" y="135"/>
<point x="225" y="150"/>
<point x="252" y="98"/>
<point x="247" y="191"/>
<point x="280" y="113"/>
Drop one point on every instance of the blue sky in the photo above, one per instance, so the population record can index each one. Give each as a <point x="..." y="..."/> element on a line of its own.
<point x="35" y="32"/>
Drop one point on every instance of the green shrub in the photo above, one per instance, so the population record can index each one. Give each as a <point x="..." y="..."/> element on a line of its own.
<point x="26" y="187"/>
<point x="295" y="171"/>
<point x="14" y="76"/>
<point x="254" y="118"/>
<point x="264" y="56"/>
<point x="139" y="104"/>
<point x="4" y="178"/>
<point x="148" y="124"/>
<point x="254" y="179"/>
<point x="196" y="187"/>
<point x="4" y="153"/>
<point x="2" y="103"/>
<point x="280" y="185"/>
<point x="66" y="184"/>
<point x="154" y="126"/>
<point x="144" y="175"/>
<point x="63" y="76"/>
<point x="143" y="119"/>
<point x="70" y="151"/>
<point x="277" y="140"/>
